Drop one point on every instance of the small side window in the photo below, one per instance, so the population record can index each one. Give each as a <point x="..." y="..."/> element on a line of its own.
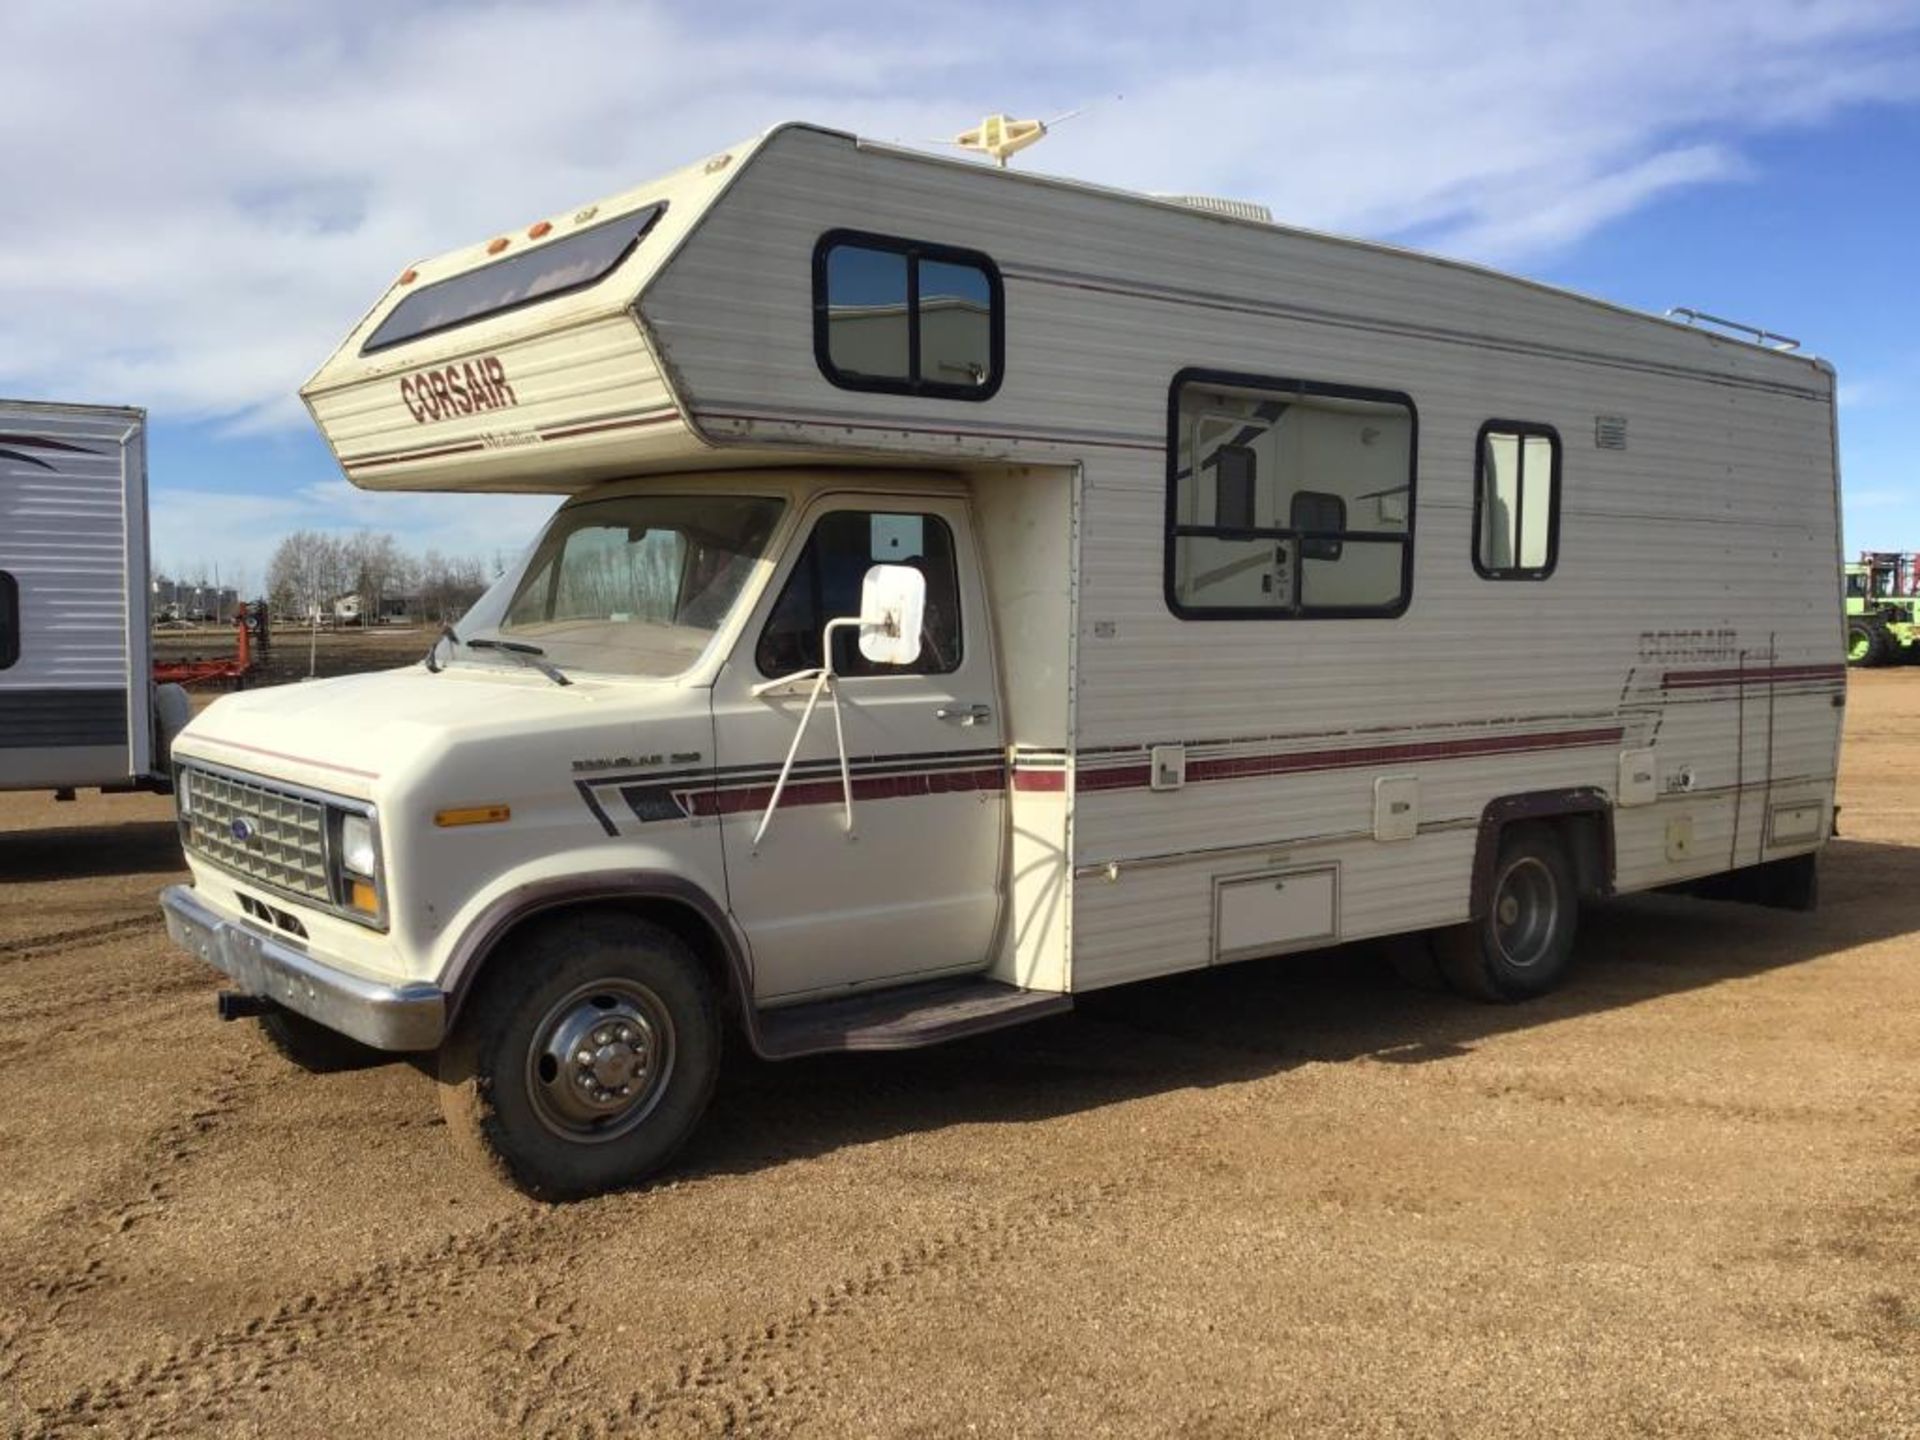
<point x="906" y="317"/>
<point x="1516" y="501"/>
<point x="9" y="620"/>
<point x="825" y="585"/>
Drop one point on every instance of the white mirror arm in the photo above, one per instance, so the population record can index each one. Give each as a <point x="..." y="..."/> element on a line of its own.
<point x="823" y="681"/>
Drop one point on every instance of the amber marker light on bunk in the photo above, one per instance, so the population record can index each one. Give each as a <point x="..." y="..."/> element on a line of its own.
<point x="472" y="815"/>
<point x="494" y="247"/>
<point x="407" y="277"/>
<point x="539" y="228"/>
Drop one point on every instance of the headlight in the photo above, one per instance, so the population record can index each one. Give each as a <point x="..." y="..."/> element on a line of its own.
<point x="183" y="793"/>
<point x="356" y="846"/>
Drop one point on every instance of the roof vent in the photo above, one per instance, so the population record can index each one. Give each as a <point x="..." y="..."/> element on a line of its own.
<point x="1214" y="205"/>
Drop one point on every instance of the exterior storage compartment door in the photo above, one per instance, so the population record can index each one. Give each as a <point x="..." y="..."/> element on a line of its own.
<point x="1278" y="910"/>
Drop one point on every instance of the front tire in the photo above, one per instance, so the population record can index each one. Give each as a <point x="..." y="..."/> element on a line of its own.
<point x="1869" y="642"/>
<point x="1523" y="946"/>
<point x="585" y="1058"/>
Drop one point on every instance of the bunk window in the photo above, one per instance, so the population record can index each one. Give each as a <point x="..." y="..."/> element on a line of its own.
<point x="906" y="317"/>
<point x="557" y="267"/>
<point x="9" y="620"/>
<point x="1516" y="501"/>
<point x="1287" y="499"/>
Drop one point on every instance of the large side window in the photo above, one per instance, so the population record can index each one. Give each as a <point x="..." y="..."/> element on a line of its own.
<point x="907" y="317"/>
<point x="1288" y="499"/>
<point x="825" y="585"/>
<point x="9" y="620"/>
<point x="1516" y="501"/>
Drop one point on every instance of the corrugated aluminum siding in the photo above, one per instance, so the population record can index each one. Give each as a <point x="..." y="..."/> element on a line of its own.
<point x="73" y="535"/>
<point x="1719" y="516"/>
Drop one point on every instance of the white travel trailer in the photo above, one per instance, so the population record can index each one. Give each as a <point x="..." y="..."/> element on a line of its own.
<point x="974" y="589"/>
<point x="77" y="705"/>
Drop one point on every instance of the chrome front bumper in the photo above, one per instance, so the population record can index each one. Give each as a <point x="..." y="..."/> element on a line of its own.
<point x="387" y="1017"/>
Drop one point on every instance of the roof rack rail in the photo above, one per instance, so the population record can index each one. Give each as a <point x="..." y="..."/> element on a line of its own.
<point x="1773" y="340"/>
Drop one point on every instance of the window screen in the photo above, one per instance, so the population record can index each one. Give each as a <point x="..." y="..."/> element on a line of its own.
<point x="825" y="585"/>
<point x="908" y="317"/>
<point x="9" y="620"/>
<point x="1288" y="499"/>
<point x="1516" y="501"/>
<point x="557" y="267"/>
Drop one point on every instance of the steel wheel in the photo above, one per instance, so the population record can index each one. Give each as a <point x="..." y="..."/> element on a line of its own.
<point x="600" y="1060"/>
<point x="1526" y="912"/>
<point x="1522" y="944"/>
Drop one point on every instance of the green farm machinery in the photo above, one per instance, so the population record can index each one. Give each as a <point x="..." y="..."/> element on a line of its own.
<point x="1883" y="608"/>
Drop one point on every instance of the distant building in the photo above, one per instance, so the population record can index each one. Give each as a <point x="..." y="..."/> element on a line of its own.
<point x="184" y="600"/>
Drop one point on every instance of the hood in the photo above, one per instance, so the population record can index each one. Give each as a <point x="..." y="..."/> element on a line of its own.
<point x="350" y="734"/>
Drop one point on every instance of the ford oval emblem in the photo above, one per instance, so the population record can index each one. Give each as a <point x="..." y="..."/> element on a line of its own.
<point x="241" y="829"/>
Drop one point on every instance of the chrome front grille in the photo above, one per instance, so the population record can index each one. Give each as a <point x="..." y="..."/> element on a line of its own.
<point x="274" y="836"/>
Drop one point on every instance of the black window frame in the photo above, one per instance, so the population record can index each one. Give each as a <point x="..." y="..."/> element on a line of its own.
<point x="643" y="218"/>
<point x="914" y="251"/>
<point x="10" y="625"/>
<point x="1173" y="530"/>
<point x="959" y="658"/>
<point x="1521" y="429"/>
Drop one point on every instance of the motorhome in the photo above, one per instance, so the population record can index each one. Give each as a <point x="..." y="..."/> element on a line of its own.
<point x="77" y="704"/>
<point x="974" y="589"/>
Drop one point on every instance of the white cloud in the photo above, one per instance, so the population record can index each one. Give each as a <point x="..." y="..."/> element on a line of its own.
<point x="198" y="210"/>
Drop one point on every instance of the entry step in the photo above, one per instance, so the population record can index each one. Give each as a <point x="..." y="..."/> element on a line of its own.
<point x="903" y="1018"/>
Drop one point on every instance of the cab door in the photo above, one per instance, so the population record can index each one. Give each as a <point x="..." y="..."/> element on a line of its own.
<point x="913" y="887"/>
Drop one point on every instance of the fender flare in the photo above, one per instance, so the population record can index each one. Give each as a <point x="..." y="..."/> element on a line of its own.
<point x="1582" y="801"/>
<point x="507" y="910"/>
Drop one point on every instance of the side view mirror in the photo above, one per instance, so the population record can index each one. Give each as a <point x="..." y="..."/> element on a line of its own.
<point x="893" y="607"/>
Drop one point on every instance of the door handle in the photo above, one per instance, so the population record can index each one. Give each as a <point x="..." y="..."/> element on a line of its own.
<point x="966" y="714"/>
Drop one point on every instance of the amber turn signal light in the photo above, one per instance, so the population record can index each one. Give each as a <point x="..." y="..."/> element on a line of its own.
<point x="472" y="815"/>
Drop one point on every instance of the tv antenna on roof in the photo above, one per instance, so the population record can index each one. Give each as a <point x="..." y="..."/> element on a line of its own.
<point x="1000" y="136"/>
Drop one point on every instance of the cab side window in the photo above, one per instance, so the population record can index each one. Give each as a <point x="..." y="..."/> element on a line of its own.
<point x="825" y="585"/>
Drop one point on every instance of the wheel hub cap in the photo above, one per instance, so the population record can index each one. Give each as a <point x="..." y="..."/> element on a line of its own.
<point x="1526" y="912"/>
<point x="599" y="1060"/>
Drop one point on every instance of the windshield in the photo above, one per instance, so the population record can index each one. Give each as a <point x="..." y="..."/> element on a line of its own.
<point x="630" y="586"/>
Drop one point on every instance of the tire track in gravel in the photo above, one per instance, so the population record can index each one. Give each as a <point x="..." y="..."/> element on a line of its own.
<point x="741" y="1382"/>
<point x="58" y="999"/>
<point x="166" y="1003"/>
<point x="185" y="1390"/>
<point x="35" y="947"/>
<point x="753" y="1380"/>
<point x="70" y="1254"/>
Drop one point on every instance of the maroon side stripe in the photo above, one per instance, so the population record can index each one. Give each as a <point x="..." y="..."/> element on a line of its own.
<point x="1242" y="767"/>
<point x="564" y="432"/>
<point x="1039" y="780"/>
<point x="828" y="792"/>
<point x="1759" y="675"/>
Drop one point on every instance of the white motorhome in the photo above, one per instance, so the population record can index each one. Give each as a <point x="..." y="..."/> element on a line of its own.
<point x="77" y="704"/>
<point x="974" y="589"/>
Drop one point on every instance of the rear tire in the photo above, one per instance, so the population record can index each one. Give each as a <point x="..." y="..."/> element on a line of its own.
<point x="315" y="1048"/>
<point x="585" y="1058"/>
<point x="1523" y="946"/>
<point x="1869" y="642"/>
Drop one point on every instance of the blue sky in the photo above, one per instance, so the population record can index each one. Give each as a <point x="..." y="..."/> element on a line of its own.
<point x="236" y="182"/>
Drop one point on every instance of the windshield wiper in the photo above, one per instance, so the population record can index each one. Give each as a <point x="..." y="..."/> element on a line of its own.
<point x="447" y="632"/>
<point x="530" y="653"/>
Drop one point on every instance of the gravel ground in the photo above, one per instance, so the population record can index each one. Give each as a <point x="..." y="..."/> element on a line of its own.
<point x="1680" y="1198"/>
